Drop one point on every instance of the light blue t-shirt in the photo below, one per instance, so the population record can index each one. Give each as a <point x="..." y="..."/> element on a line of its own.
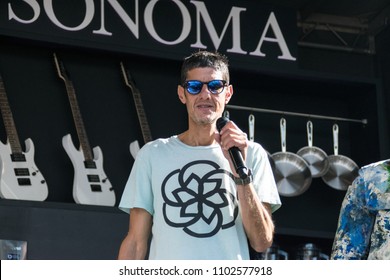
<point x="192" y="197"/>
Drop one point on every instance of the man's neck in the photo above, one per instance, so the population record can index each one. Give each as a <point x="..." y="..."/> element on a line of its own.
<point x="201" y="136"/>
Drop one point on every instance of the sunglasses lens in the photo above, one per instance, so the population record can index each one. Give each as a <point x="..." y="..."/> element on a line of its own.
<point x="216" y="86"/>
<point x="194" y="87"/>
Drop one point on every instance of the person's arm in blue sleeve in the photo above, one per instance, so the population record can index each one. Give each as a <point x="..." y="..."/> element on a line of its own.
<point x="352" y="239"/>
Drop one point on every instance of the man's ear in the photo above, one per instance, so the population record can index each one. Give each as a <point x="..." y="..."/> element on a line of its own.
<point x="181" y="93"/>
<point x="229" y="93"/>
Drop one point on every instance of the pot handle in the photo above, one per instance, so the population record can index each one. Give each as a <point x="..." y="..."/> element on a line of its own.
<point x="284" y="254"/>
<point x="226" y="114"/>
<point x="251" y="121"/>
<point x="324" y="256"/>
<point x="283" y="134"/>
<point x="309" y="127"/>
<point x="336" y="139"/>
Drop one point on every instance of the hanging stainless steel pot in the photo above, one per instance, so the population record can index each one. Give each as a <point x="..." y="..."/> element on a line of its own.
<point x="273" y="253"/>
<point x="310" y="251"/>
<point x="251" y="122"/>
<point x="342" y="170"/>
<point x="315" y="157"/>
<point x="292" y="174"/>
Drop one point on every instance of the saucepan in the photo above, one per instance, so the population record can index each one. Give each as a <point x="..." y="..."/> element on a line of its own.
<point x="251" y="122"/>
<point x="315" y="157"/>
<point x="342" y="170"/>
<point x="272" y="253"/>
<point x="310" y="251"/>
<point x="292" y="173"/>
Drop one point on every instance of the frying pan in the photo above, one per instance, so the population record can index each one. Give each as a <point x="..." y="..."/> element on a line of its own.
<point x="251" y="122"/>
<point x="342" y="170"/>
<point x="315" y="157"/>
<point x="292" y="174"/>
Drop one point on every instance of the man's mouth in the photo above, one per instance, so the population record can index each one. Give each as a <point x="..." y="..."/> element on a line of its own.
<point x="204" y="106"/>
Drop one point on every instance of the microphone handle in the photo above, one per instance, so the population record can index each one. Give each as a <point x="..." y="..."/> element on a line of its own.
<point x="235" y="153"/>
<point x="238" y="162"/>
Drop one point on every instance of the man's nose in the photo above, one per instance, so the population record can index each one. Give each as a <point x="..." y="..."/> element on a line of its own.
<point x="205" y="92"/>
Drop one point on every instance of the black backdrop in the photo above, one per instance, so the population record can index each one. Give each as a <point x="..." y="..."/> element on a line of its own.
<point x="41" y="112"/>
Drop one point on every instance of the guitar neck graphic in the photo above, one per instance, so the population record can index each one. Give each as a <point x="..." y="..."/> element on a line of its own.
<point x="143" y="121"/>
<point x="91" y="185"/>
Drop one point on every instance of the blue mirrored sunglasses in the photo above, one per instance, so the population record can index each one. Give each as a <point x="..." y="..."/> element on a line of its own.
<point x="195" y="87"/>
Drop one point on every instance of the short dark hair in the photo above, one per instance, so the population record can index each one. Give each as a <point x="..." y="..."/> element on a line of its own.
<point x="202" y="59"/>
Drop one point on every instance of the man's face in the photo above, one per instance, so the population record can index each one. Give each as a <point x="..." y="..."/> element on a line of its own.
<point x="205" y="108"/>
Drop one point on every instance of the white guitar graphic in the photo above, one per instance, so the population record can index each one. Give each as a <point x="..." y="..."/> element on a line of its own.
<point x="134" y="146"/>
<point x="20" y="178"/>
<point x="91" y="185"/>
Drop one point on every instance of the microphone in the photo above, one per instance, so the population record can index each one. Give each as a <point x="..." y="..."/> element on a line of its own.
<point x="234" y="152"/>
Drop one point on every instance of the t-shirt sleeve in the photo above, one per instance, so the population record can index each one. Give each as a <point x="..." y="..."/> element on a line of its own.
<point x="138" y="189"/>
<point x="263" y="178"/>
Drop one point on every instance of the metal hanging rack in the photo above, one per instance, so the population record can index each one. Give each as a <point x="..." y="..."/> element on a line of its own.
<point x="363" y="121"/>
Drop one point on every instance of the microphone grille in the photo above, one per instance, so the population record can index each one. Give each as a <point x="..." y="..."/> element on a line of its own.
<point x="221" y="122"/>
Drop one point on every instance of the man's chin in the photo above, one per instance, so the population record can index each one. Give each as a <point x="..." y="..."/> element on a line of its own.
<point x="206" y="120"/>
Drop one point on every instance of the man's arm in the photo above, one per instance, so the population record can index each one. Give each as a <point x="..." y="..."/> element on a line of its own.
<point x="354" y="229"/>
<point x="135" y="244"/>
<point x="256" y="217"/>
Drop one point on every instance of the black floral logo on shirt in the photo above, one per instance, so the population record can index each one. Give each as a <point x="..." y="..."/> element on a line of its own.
<point x="195" y="199"/>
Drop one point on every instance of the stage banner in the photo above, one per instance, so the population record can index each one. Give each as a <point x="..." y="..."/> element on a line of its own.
<point x="252" y="34"/>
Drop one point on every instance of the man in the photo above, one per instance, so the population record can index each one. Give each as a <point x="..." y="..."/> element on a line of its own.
<point x="364" y="224"/>
<point x="182" y="190"/>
